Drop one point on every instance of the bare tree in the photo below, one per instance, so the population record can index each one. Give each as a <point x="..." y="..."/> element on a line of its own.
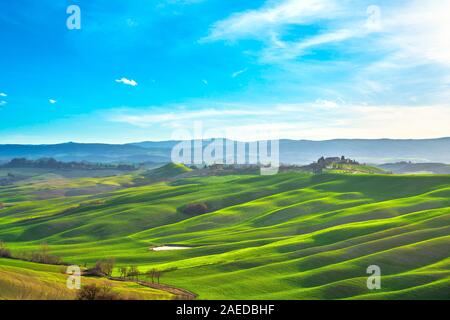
<point x="157" y="274"/>
<point x="109" y="266"/>
<point x="137" y="273"/>
<point x="123" y="272"/>
<point x="105" y="266"/>
<point x="133" y="272"/>
<point x="151" y="274"/>
<point x="154" y="274"/>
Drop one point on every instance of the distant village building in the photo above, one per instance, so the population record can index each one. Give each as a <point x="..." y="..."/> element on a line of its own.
<point x="329" y="162"/>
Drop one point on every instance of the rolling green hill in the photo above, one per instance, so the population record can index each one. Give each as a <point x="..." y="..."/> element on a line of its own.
<point x="356" y="169"/>
<point x="288" y="236"/>
<point x="168" y="171"/>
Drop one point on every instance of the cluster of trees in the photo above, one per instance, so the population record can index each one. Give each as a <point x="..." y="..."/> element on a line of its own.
<point x="154" y="275"/>
<point x="195" y="208"/>
<point x="130" y="273"/>
<point x="50" y="163"/>
<point x="42" y="255"/>
<point x="133" y="273"/>
<point x="104" y="267"/>
<point x="323" y="163"/>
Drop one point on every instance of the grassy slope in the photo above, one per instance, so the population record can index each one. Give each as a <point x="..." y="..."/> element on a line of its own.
<point x="169" y="170"/>
<point x="289" y="236"/>
<point x="21" y="280"/>
<point x="356" y="169"/>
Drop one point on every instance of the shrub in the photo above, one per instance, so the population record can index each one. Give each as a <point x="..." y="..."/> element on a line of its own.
<point x="94" y="292"/>
<point x="196" y="208"/>
<point x="4" y="251"/>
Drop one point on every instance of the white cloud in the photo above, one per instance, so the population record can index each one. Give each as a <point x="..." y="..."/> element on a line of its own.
<point x="413" y="30"/>
<point x="238" y="73"/>
<point x="2" y="94"/>
<point x="255" y="23"/>
<point x="52" y="101"/>
<point x="2" y="103"/>
<point x="414" y="61"/>
<point x="148" y="118"/>
<point x="402" y="122"/>
<point x="352" y="122"/>
<point x="387" y="53"/>
<point x="290" y="50"/>
<point x="338" y="23"/>
<point x="420" y="30"/>
<point x="128" y="82"/>
<point x="321" y="119"/>
<point x="326" y="104"/>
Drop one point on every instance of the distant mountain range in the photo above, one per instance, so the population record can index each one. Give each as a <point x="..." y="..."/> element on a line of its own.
<point x="407" y="167"/>
<point x="291" y="151"/>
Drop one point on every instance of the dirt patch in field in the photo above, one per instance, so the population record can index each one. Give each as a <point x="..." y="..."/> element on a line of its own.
<point x="168" y="248"/>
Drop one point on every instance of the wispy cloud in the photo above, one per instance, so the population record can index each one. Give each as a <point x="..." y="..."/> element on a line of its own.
<point x="128" y="82"/>
<point x="52" y="101"/>
<point x="414" y="60"/>
<point x="273" y="15"/>
<point x="292" y="50"/>
<point x="152" y="117"/>
<point x="2" y="94"/>
<point x="2" y="103"/>
<point x="420" y="30"/>
<point x="414" y="29"/>
<point x="388" y="52"/>
<point x="238" y="73"/>
<point x="321" y="119"/>
<point x="273" y="21"/>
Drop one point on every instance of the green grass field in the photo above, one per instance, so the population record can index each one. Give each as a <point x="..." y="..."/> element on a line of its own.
<point x="288" y="236"/>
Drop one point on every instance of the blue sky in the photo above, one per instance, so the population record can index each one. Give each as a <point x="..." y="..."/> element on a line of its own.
<point x="160" y="69"/>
